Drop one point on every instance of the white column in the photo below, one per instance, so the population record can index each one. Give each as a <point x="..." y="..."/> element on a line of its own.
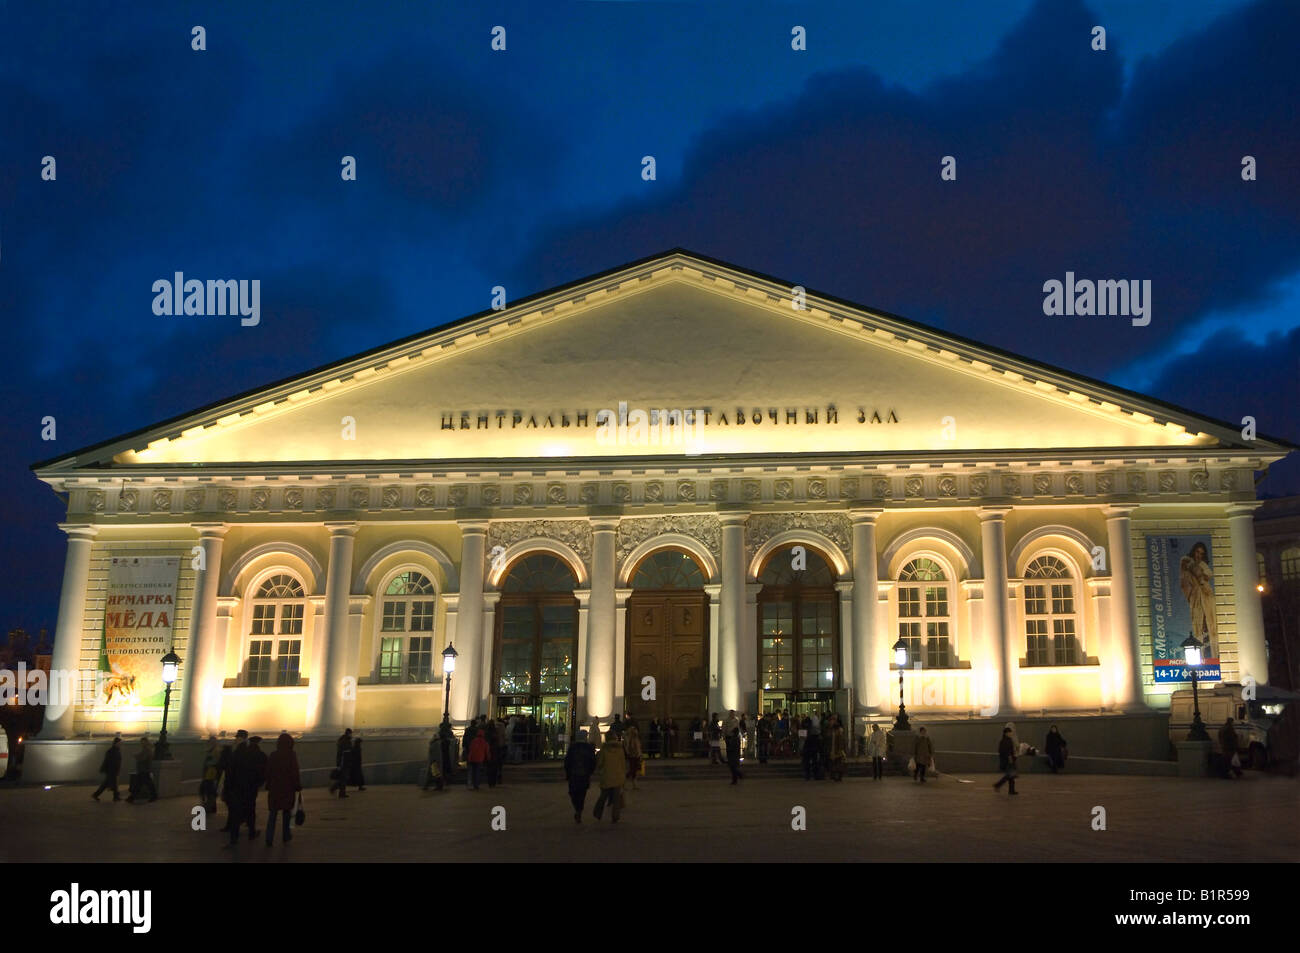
<point x="999" y="640"/>
<point x="868" y="655"/>
<point x="488" y="647"/>
<point x="352" y="656"/>
<point x="714" y="589"/>
<point x="1102" y="642"/>
<point x="469" y="622"/>
<point x="202" y="683"/>
<point x="731" y="624"/>
<point x="620" y="654"/>
<point x="580" y="703"/>
<point x="451" y="604"/>
<point x="602" y="619"/>
<point x="749" y="649"/>
<point x="66" y="660"/>
<point x="338" y="586"/>
<point x="227" y="613"/>
<point x="1126" y="668"/>
<point x="845" y="664"/>
<point x="318" y="664"/>
<point x="1252" y="656"/>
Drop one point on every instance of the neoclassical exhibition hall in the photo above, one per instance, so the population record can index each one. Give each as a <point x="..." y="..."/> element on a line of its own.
<point x="674" y="488"/>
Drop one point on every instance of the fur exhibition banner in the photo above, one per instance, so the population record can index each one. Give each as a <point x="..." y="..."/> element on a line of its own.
<point x="1181" y="580"/>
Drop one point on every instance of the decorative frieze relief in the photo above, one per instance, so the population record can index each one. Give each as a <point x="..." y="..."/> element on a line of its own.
<point x="293" y="498"/>
<point x="761" y="527"/>
<point x="392" y="497"/>
<point x="228" y="499"/>
<point x="128" y="501"/>
<point x="259" y="499"/>
<point x="850" y="488"/>
<point x="686" y="491"/>
<point x="703" y="528"/>
<point x="575" y="533"/>
<point x="162" y="501"/>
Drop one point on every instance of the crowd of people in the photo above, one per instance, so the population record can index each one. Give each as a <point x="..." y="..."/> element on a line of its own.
<point x="238" y="773"/>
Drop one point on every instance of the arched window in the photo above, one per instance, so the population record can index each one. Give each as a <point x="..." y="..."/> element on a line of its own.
<point x="1291" y="563"/>
<point x="798" y="621"/>
<point x="406" y="640"/>
<point x="537" y="637"/>
<point x="1051" y="614"/>
<point x="668" y="569"/>
<point x="925" y="613"/>
<point x="275" y="642"/>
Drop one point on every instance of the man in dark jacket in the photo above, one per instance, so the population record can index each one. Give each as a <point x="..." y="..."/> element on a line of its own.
<point x="1228" y="748"/>
<point x="579" y="766"/>
<point x="225" y="765"/>
<point x="1006" y="761"/>
<point x="342" y="764"/>
<point x="110" y="769"/>
<point x="247" y="775"/>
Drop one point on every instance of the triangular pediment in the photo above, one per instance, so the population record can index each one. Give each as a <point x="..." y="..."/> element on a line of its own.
<point x="706" y="342"/>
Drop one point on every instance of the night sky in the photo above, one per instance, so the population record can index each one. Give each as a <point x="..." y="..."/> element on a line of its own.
<point x="522" y="168"/>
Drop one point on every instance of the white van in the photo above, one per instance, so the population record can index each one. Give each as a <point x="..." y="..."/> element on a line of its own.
<point x="1251" y="719"/>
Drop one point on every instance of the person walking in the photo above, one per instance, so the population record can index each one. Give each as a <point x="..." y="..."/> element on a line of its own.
<point x="143" y="772"/>
<point x="654" y="739"/>
<point x="208" y="777"/>
<point x="342" y="773"/>
<point x="355" y="774"/>
<point x="283" y="784"/>
<point x="225" y="766"/>
<point x="731" y="738"/>
<point x="479" y="754"/>
<point x="492" y="766"/>
<point x="447" y="746"/>
<point x="838" y="749"/>
<point x="579" y="766"/>
<point x="247" y="775"/>
<point x="810" y="752"/>
<point x="764" y="730"/>
<point x="611" y="770"/>
<point x="632" y="749"/>
<point x="1228" y="748"/>
<point x="876" y="746"/>
<point x="110" y="768"/>
<point x="923" y="753"/>
<point x="1007" y="760"/>
<point x="1055" y="748"/>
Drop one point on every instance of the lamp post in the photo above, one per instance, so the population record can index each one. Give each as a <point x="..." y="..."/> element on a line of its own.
<point x="448" y="667"/>
<point x="1192" y="655"/>
<point x="900" y="659"/>
<point x="170" y="664"/>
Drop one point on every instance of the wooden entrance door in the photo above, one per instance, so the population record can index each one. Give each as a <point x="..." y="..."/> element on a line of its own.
<point x="667" y="639"/>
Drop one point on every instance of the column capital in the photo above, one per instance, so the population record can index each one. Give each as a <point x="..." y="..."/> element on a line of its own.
<point x="621" y="596"/>
<point x="473" y="527"/>
<point x="342" y="527"/>
<point x="604" y="524"/>
<point x="490" y="599"/>
<point x="583" y="596"/>
<point x="1118" y="510"/>
<point x="732" y="517"/>
<point x="210" y="530"/>
<point x="845" y="589"/>
<point x="993" y="513"/>
<point x="80" y="530"/>
<point x="714" y="589"/>
<point x="861" y="514"/>
<point x="1243" y="508"/>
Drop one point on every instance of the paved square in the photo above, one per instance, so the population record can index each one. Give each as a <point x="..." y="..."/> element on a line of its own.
<point x="1147" y="819"/>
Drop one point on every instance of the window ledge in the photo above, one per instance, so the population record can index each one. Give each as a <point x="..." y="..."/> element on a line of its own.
<point x="1087" y="665"/>
<point x="400" y="686"/>
<point x="266" y="689"/>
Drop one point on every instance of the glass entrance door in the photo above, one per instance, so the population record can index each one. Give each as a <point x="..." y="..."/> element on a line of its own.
<point x="557" y="724"/>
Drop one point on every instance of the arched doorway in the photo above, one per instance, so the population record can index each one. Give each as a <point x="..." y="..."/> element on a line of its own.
<point x="535" y="650"/>
<point x="799" y="634"/>
<point x="668" y="640"/>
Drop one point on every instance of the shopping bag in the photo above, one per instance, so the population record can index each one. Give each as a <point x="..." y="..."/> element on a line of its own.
<point x="641" y="768"/>
<point x="1236" y="761"/>
<point x="300" y="816"/>
<point x="911" y="764"/>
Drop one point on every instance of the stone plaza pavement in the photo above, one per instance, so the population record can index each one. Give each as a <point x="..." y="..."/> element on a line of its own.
<point x="948" y="819"/>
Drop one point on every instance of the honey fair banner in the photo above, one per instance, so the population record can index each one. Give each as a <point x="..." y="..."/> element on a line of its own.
<point x="139" y="613"/>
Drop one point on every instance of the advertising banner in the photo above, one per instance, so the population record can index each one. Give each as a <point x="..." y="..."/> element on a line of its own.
<point x="1180" y="577"/>
<point x="139" y="614"/>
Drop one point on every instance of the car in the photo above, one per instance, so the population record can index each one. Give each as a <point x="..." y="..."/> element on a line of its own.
<point x="1252" y="717"/>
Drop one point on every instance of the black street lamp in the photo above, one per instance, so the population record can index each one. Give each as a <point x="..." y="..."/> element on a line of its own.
<point x="448" y="666"/>
<point x="170" y="663"/>
<point x="1192" y="655"/>
<point x="900" y="659"/>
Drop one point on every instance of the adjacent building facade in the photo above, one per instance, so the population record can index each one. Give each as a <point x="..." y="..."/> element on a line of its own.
<point x="673" y="488"/>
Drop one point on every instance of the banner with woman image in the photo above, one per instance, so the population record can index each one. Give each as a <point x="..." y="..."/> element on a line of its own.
<point x="1181" y="582"/>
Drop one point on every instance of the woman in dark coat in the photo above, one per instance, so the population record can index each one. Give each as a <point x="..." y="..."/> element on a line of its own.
<point x="357" y="779"/>
<point x="283" y="783"/>
<point x="1055" y="748"/>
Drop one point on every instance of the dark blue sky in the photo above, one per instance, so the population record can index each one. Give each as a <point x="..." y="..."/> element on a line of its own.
<point x="522" y="168"/>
